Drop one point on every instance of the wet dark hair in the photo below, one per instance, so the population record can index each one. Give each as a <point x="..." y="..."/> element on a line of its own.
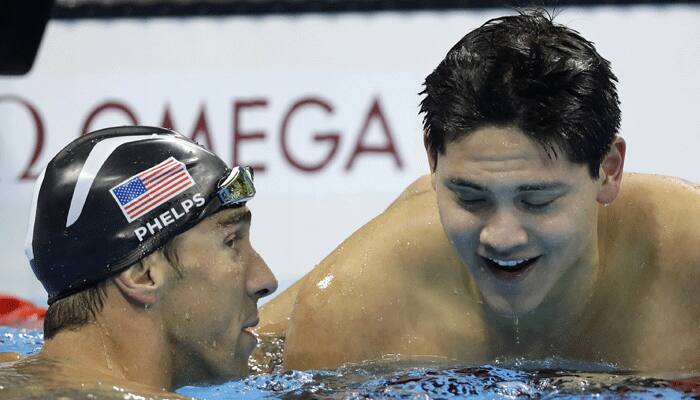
<point x="528" y="72"/>
<point x="83" y="307"/>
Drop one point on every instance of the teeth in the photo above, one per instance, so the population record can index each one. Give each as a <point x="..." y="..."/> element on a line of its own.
<point x="507" y="263"/>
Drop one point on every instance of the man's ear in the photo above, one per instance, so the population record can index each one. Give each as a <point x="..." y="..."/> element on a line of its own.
<point x="141" y="282"/>
<point x="611" y="172"/>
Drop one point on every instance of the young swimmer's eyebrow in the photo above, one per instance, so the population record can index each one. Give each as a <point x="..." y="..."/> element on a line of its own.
<point x="464" y="184"/>
<point x="235" y="218"/>
<point x="459" y="183"/>
<point x="532" y="187"/>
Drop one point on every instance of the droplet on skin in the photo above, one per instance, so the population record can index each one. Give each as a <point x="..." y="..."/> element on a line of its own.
<point x="325" y="282"/>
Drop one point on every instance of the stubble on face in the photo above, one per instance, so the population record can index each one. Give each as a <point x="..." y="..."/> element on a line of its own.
<point x="208" y="306"/>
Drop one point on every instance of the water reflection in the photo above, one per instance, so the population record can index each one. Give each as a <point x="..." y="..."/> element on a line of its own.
<point x="397" y="380"/>
<point x="392" y="378"/>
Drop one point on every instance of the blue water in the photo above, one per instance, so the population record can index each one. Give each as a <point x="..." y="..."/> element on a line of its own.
<point x="397" y="379"/>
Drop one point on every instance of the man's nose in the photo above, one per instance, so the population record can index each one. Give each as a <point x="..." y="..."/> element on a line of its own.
<point x="503" y="233"/>
<point x="260" y="281"/>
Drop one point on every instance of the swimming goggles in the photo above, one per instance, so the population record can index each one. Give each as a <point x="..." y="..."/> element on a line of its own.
<point x="236" y="187"/>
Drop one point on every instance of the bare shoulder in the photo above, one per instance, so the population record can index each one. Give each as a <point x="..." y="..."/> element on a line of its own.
<point x="10" y="356"/>
<point x="664" y="187"/>
<point x="652" y="241"/>
<point x="420" y="186"/>
<point x="669" y="206"/>
<point x="360" y="301"/>
<point x="34" y="378"/>
<point x="661" y="216"/>
<point x="275" y="315"/>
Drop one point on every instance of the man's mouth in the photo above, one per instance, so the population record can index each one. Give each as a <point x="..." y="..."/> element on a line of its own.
<point x="510" y="268"/>
<point x="250" y="324"/>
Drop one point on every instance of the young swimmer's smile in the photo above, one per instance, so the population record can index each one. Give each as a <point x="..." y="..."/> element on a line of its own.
<point x="521" y="221"/>
<point x="509" y="269"/>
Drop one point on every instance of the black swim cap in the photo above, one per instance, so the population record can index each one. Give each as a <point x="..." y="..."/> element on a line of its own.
<point x="112" y="197"/>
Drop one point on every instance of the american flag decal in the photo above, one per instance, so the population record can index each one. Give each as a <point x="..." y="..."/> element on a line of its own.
<point x="147" y="190"/>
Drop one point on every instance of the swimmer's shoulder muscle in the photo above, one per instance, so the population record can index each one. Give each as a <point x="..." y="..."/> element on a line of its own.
<point x="378" y="291"/>
<point x="9" y="356"/>
<point x="678" y="237"/>
<point x="275" y="315"/>
<point x="421" y="186"/>
<point x="671" y="208"/>
<point x="661" y="221"/>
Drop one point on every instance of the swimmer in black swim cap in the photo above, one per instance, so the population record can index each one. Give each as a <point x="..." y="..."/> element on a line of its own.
<point x="140" y="237"/>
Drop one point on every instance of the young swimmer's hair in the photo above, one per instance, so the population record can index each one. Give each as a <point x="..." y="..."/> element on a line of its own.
<point x="528" y="72"/>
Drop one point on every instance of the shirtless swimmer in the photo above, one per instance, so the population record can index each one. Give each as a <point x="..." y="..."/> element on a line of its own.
<point x="523" y="242"/>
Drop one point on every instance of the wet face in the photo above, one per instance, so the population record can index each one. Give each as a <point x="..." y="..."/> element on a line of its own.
<point x="520" y="221"/>
<point x="210" y="309"/>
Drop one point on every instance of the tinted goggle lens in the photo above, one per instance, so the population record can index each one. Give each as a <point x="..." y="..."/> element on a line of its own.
<point x="237" y="187"/>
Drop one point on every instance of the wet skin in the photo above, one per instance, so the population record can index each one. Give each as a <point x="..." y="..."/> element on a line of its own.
<point x="163" y="327"/>
<point x="604" y="284"/>
<point x="502" y="199"/>
<point x="210" y="310"/>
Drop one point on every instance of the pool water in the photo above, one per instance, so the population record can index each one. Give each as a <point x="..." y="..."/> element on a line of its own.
<point x="394" y="378"/>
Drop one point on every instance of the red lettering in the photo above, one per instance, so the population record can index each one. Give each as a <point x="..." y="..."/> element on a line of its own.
<point x="27" y="174"/>
<point x="167" y="121"/>
<point x="360" y="148"/>
<point x="109" y="105"/>
<point x="240" y="136"/>
<point x="331" y="137"/>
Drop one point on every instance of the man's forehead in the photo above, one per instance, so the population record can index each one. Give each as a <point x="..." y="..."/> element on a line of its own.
<point x="230" y="216"/>
<point x="506" y="154"/>
<point x="498" y="144"/>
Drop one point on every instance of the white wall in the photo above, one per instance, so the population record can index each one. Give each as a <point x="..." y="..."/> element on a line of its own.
<point x="348" y="61"/>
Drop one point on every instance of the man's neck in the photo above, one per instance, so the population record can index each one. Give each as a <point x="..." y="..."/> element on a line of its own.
<point x="124" y="349"/>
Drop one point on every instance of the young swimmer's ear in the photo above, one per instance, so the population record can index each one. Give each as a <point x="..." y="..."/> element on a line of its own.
<point x="611" y="172"/>
<point x="140" y="282"/>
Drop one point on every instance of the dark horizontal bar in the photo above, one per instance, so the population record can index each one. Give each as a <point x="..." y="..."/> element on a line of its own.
<point x="296" y="7"/>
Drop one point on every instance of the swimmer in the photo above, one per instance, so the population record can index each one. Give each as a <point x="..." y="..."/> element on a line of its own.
<point x="526" y="241"/>
<point x="141" y="239"/>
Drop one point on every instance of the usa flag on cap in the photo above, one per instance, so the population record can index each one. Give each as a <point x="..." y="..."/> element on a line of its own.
<point x="149" y="189"/>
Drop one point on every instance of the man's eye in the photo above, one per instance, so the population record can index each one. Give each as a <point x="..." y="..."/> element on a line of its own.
<point x="537" y="205"/>
<point x="230" y="240"/>
<point x="471" y="203"/>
